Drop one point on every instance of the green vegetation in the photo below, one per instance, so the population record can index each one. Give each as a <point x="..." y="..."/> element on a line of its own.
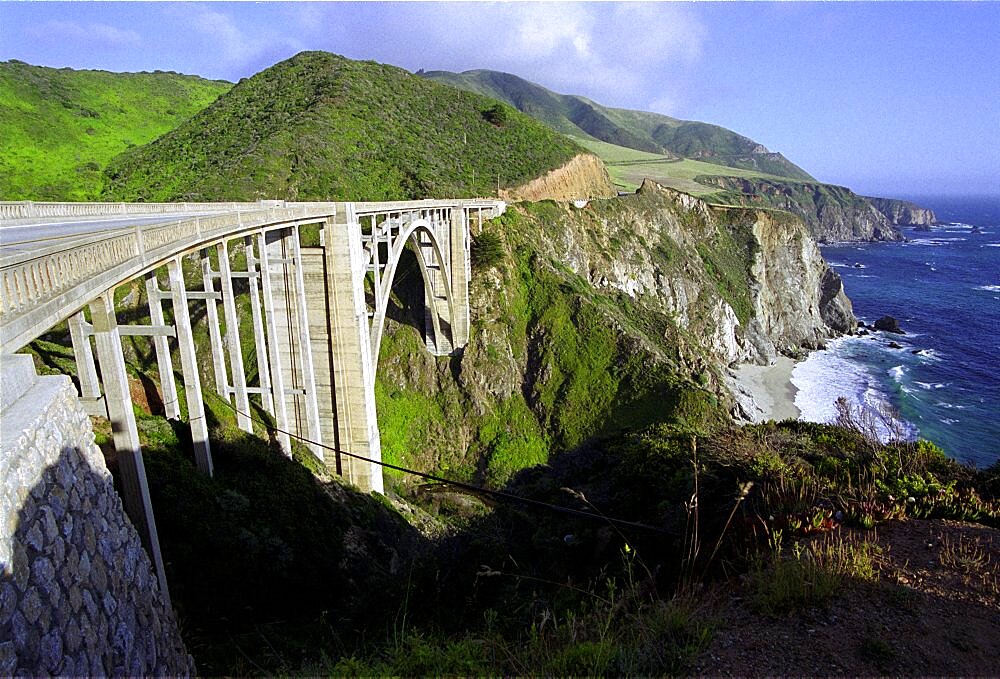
<point x="60" y="127"/>
<point x="629" y="167"/>
<point x="652" y="132"/>
<point x="320" y="127"/>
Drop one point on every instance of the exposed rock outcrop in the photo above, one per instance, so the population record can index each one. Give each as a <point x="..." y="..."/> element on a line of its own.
<point x="582" y="177"/>
<point x="889" y="324"/>
<point x="903" y="212"/>
<point x="833" y="213"/>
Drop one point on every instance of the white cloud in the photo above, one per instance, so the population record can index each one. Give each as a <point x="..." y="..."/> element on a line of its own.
<point x="235" y="51"/>
<point x="95" y="35"/>
<point x="613" y="53"/>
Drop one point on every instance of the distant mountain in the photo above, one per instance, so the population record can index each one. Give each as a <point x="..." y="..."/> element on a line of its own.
<point x="640" y="130"/>
<point x="60" y="127"/>
<point x="320" y="126"/>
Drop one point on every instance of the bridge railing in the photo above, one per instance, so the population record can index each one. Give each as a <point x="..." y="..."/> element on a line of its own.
<point x="34" y="210"/>
<point x="44" y="285"/>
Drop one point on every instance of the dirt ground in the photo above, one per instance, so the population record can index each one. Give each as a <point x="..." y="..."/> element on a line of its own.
<point x="933" y="610"/>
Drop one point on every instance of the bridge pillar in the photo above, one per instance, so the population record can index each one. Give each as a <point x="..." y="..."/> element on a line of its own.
<point x="189" y="367"/>
<point x="351" y="350"/>
<point x="86" y="369"/>
<point x="236" y="369"/>
<point x="458" y="242"/>
<point x="437" y="318"/>
<point x="132" y="472"/>
<point x="165" y="366"/>
<point x="260" y="341"/>
<point x="269" y="243"/>
<point x="214" y="335"/>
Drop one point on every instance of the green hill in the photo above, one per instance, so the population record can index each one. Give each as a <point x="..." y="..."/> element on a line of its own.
<point x="60" y="127"/>
<point x="640" y="130"/>
<point x="319" y="126"/>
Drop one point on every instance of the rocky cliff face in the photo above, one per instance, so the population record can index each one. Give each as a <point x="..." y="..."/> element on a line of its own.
<point x="621" y="313"/>
<point x="582" y="177"/>
<point x="903" y="212"/>
<point x="747" y="284"/>
<point x="832" y="213"/>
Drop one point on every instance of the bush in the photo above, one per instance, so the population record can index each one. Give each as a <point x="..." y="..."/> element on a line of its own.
<point x="487" y="250"/>
<point x="496" y="115"/>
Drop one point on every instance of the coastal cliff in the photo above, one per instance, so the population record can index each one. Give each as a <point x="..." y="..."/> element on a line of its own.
<point x="903" y="212"/>
<point x="832" y="213"/>
<point x="586" y="320"/>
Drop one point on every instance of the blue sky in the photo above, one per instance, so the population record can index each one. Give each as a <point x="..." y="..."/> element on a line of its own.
<point x="887" y="98"/>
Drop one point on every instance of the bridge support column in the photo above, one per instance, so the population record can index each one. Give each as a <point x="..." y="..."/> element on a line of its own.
<point x="260" y="341"/>
<point x="86" y="369"/>
<point x="306" y="366"/>
<point x="214" y="335"/>
<point x="437" y="326"/>
<point x="271" y="329"/>
<point x="236" y="370"/>
<point x="189" y="367"/>
<point x="165" y="366"/>
<point x="132" y="472"/>
<point x="458" y="241"/>
<point x="351" y="350"/>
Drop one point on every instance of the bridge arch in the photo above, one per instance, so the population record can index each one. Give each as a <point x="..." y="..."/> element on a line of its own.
<point x="413" y="231"/>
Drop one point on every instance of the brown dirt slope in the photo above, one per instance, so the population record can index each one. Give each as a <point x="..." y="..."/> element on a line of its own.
<point x="934" y="610"/>
<point x="583" y="177"/>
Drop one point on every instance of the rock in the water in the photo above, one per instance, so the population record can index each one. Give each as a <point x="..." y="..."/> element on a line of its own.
<point x="889" y="324"/>
<point x="895" y="345"/>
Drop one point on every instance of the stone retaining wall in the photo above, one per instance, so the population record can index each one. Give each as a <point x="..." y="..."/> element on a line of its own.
<point x="78" y="595"/>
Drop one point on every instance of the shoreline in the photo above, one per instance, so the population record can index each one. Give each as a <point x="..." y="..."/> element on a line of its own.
<point x="765" y="392"/>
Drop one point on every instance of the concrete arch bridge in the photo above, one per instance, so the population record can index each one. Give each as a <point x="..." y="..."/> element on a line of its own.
<point x="316" y="336"/>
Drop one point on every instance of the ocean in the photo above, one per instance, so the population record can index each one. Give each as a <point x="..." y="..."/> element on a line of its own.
<point x="943" y="286"/>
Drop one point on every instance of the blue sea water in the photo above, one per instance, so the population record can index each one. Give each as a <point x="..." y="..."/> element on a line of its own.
<point x="943" y="286"/>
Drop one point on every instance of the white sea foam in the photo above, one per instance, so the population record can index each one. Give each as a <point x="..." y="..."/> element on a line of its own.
<point x="930" y="385"/>
<point x="989" y="288"/>
<point x="992" y="245"/>
<point x="929" y="354"/>
<point x="827" y="375"/>
<point x="948" y="420"/>
<point x="897" y="373"/>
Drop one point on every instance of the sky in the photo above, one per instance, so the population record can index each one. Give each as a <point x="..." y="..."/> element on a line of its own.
<point x="888" y="98"/>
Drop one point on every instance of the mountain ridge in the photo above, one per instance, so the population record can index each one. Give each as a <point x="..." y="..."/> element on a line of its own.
<point x="641" y="130"/>
<point x="319" y="126"/>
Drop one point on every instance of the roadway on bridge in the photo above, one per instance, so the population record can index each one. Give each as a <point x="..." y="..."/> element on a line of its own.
<point x="22" y="236"/>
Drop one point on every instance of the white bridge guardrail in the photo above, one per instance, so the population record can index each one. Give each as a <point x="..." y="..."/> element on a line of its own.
<point x="23" y="210"/>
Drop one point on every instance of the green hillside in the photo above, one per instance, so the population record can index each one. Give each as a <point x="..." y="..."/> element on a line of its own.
<point x="629" y="167"/>
<point x="638" y="130"/>
<point x="320" y="126"/>
<point x="60" y="127"/>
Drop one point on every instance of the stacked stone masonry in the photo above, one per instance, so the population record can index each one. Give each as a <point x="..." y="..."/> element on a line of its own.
<point x="78" y="595"/>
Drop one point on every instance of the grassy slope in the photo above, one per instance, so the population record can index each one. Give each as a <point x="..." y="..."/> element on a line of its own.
<point x="319" y="126"/>
<point x="640" y="130"/>
<point x="60" y="127"/>
<point x="628" y="167"/>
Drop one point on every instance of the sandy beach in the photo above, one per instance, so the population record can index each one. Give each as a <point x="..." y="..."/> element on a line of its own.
<point x="765" y="392"/>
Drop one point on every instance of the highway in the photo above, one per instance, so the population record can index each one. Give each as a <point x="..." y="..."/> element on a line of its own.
<point x="15" y="238"/>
